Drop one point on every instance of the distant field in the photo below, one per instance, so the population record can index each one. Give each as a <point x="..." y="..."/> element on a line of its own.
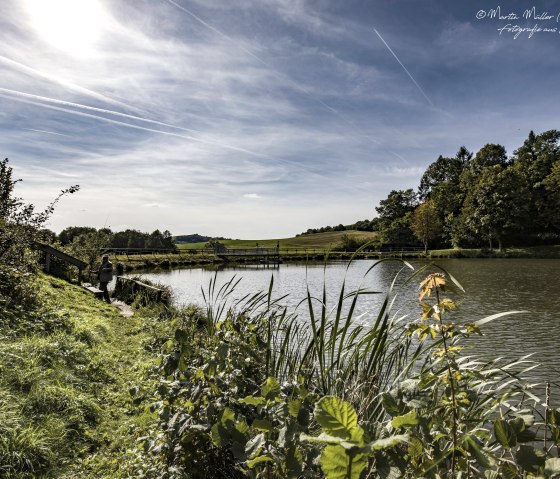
<point x="323" y="241"/>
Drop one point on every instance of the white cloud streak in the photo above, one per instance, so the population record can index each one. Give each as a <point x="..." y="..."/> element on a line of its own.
<point x="404" y="68"/>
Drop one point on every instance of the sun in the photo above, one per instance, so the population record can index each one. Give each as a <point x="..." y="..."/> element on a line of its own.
<point x="73" y="26"/>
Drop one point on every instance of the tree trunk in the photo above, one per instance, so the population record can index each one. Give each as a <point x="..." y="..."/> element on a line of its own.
<point x="500" y="244"/>
<point x="490" y="240"/>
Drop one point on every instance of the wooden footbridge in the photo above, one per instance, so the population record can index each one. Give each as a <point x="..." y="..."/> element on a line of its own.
<point x="263" y="255"/>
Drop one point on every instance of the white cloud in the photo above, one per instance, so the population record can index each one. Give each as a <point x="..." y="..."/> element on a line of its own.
<point x="252" y="196"/>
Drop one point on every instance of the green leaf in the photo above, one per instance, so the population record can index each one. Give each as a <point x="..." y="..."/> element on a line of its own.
<point x="407" y="420"/>
<point x="552" y="467"/>
<point x="384" y="443"/>
<point x="415" y="447"/>
<point x="271" y="389"/>
<point x="293" y="462"/>
<point x="554" y="417"/>
<point x="258" y="460"/>
<point x="331" y="440"/>
<point x="482" y="455"/>
<point x="505" y="433"/>
<point x="390" y="404"/>
<point x="254" y="446"/>
<point x="294" y="406"/>
<point x="509" y="471"/>
<point x="529" y="458"/>
<point x="338" y="418"/>
<point x="253" y="401"/>
<point x="263" y="425"/>
<point x="337" y="464"/>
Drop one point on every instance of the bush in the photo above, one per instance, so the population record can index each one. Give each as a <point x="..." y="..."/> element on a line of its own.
<point x="246" y="393"/>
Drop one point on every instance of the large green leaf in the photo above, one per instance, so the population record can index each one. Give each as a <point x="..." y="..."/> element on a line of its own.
<point x="338" y="418"/>
<point x="529" y="458"/>
<point x="505" y="433"/>
<point x="337" y="464"/>
<point x="385" y="443"/>
<point x="482" y="455"/>
<point x="271" y="389"/>
<point x="253" y="401"/>
<point x="409" y="419"/>
<point x="509" y="471"/>
<point x="263" y="425"/>
<point x="258" y="460"/>
<point x="391" y="404"/>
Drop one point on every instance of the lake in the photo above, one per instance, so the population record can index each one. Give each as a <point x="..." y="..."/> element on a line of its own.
<point x="492" y="286"/>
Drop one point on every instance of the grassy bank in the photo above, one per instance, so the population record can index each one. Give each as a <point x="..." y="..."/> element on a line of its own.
<point x="319" y="241"/>
<point x="65" y="374"/>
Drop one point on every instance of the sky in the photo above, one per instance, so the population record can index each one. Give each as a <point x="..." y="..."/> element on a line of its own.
<point x="260" y="118"/>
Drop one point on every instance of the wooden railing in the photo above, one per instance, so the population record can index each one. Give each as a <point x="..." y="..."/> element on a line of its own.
<point x="126" y="289"/>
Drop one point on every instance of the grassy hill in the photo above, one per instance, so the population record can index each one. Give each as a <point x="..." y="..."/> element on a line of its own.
<point x="323" y="241"/>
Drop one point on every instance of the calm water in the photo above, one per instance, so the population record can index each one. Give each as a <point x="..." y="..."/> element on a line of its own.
<point x="492" y="286"/>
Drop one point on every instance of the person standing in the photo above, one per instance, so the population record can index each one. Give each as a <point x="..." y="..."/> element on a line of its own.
<point x="105" y="275"/>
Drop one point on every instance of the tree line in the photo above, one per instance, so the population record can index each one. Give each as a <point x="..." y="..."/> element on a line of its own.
<point x="105" y="238"/>
<point x="363" y="225"/>
<point x="476" y="199"/>
<point x="470" y="200"/>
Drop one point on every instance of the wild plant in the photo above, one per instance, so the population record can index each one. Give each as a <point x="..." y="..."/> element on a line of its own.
<point x="257" y="391"/>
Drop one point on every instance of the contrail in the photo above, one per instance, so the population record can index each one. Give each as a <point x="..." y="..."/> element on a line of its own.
<point x="176" y="135"/>
<point x="92" y="108"/>
<point x="278" y="74"/>
<point x="404" y="68"/>
<point x="33" y="72"/>
<point x="45" y="131"/>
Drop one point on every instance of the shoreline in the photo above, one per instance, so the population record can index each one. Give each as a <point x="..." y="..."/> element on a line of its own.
<point x="178" y="260"/>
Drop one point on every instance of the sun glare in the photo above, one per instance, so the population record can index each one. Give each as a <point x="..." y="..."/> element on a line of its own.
<point x="73" y="26"/>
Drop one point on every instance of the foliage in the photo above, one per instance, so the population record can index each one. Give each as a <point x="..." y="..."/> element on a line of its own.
<point x="487" y="197"/>
<point x="363" y="225"/>
<point x="353" y="243"/>
<point x="425" y="223"/>
<point x="443" y="170"/>
<point x="65" y="373"/>
<point x="496" y="204"/>
<point x="83" y="239"/>
<point x="21" y="227"/>
<point x="250" y="390"/>
<point x="394" y="216"/>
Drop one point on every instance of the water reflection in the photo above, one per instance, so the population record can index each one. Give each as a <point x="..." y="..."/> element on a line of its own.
<point x="492" y="286"/>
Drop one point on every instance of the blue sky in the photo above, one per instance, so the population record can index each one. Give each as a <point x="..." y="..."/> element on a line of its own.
<point x="259" y="118"/>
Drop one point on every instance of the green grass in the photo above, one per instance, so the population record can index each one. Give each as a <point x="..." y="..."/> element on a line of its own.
<point x="322" y="241"/>
<point x="65" y="373"/>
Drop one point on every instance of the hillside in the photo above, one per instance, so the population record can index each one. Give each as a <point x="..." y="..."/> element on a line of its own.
<point x="323" y="241"/>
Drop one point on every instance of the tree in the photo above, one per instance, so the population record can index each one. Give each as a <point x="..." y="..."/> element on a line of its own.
<point x="497" y="204"/>
<point x="552" y="187"/>
<point x="425" y="223"/>
<point x="394" y="216"/>
<point x="535" y="161"/>
<point x="489" y="155"/>
<point x="67" y="235"/>
<point x="441" y="184"/>
<point x="20" y="228"/>
<point x="440" y="171"/>
<point x="20" y="225"/>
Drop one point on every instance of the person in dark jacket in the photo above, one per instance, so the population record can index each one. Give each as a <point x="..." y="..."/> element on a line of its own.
<point x="105" y="275"/>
